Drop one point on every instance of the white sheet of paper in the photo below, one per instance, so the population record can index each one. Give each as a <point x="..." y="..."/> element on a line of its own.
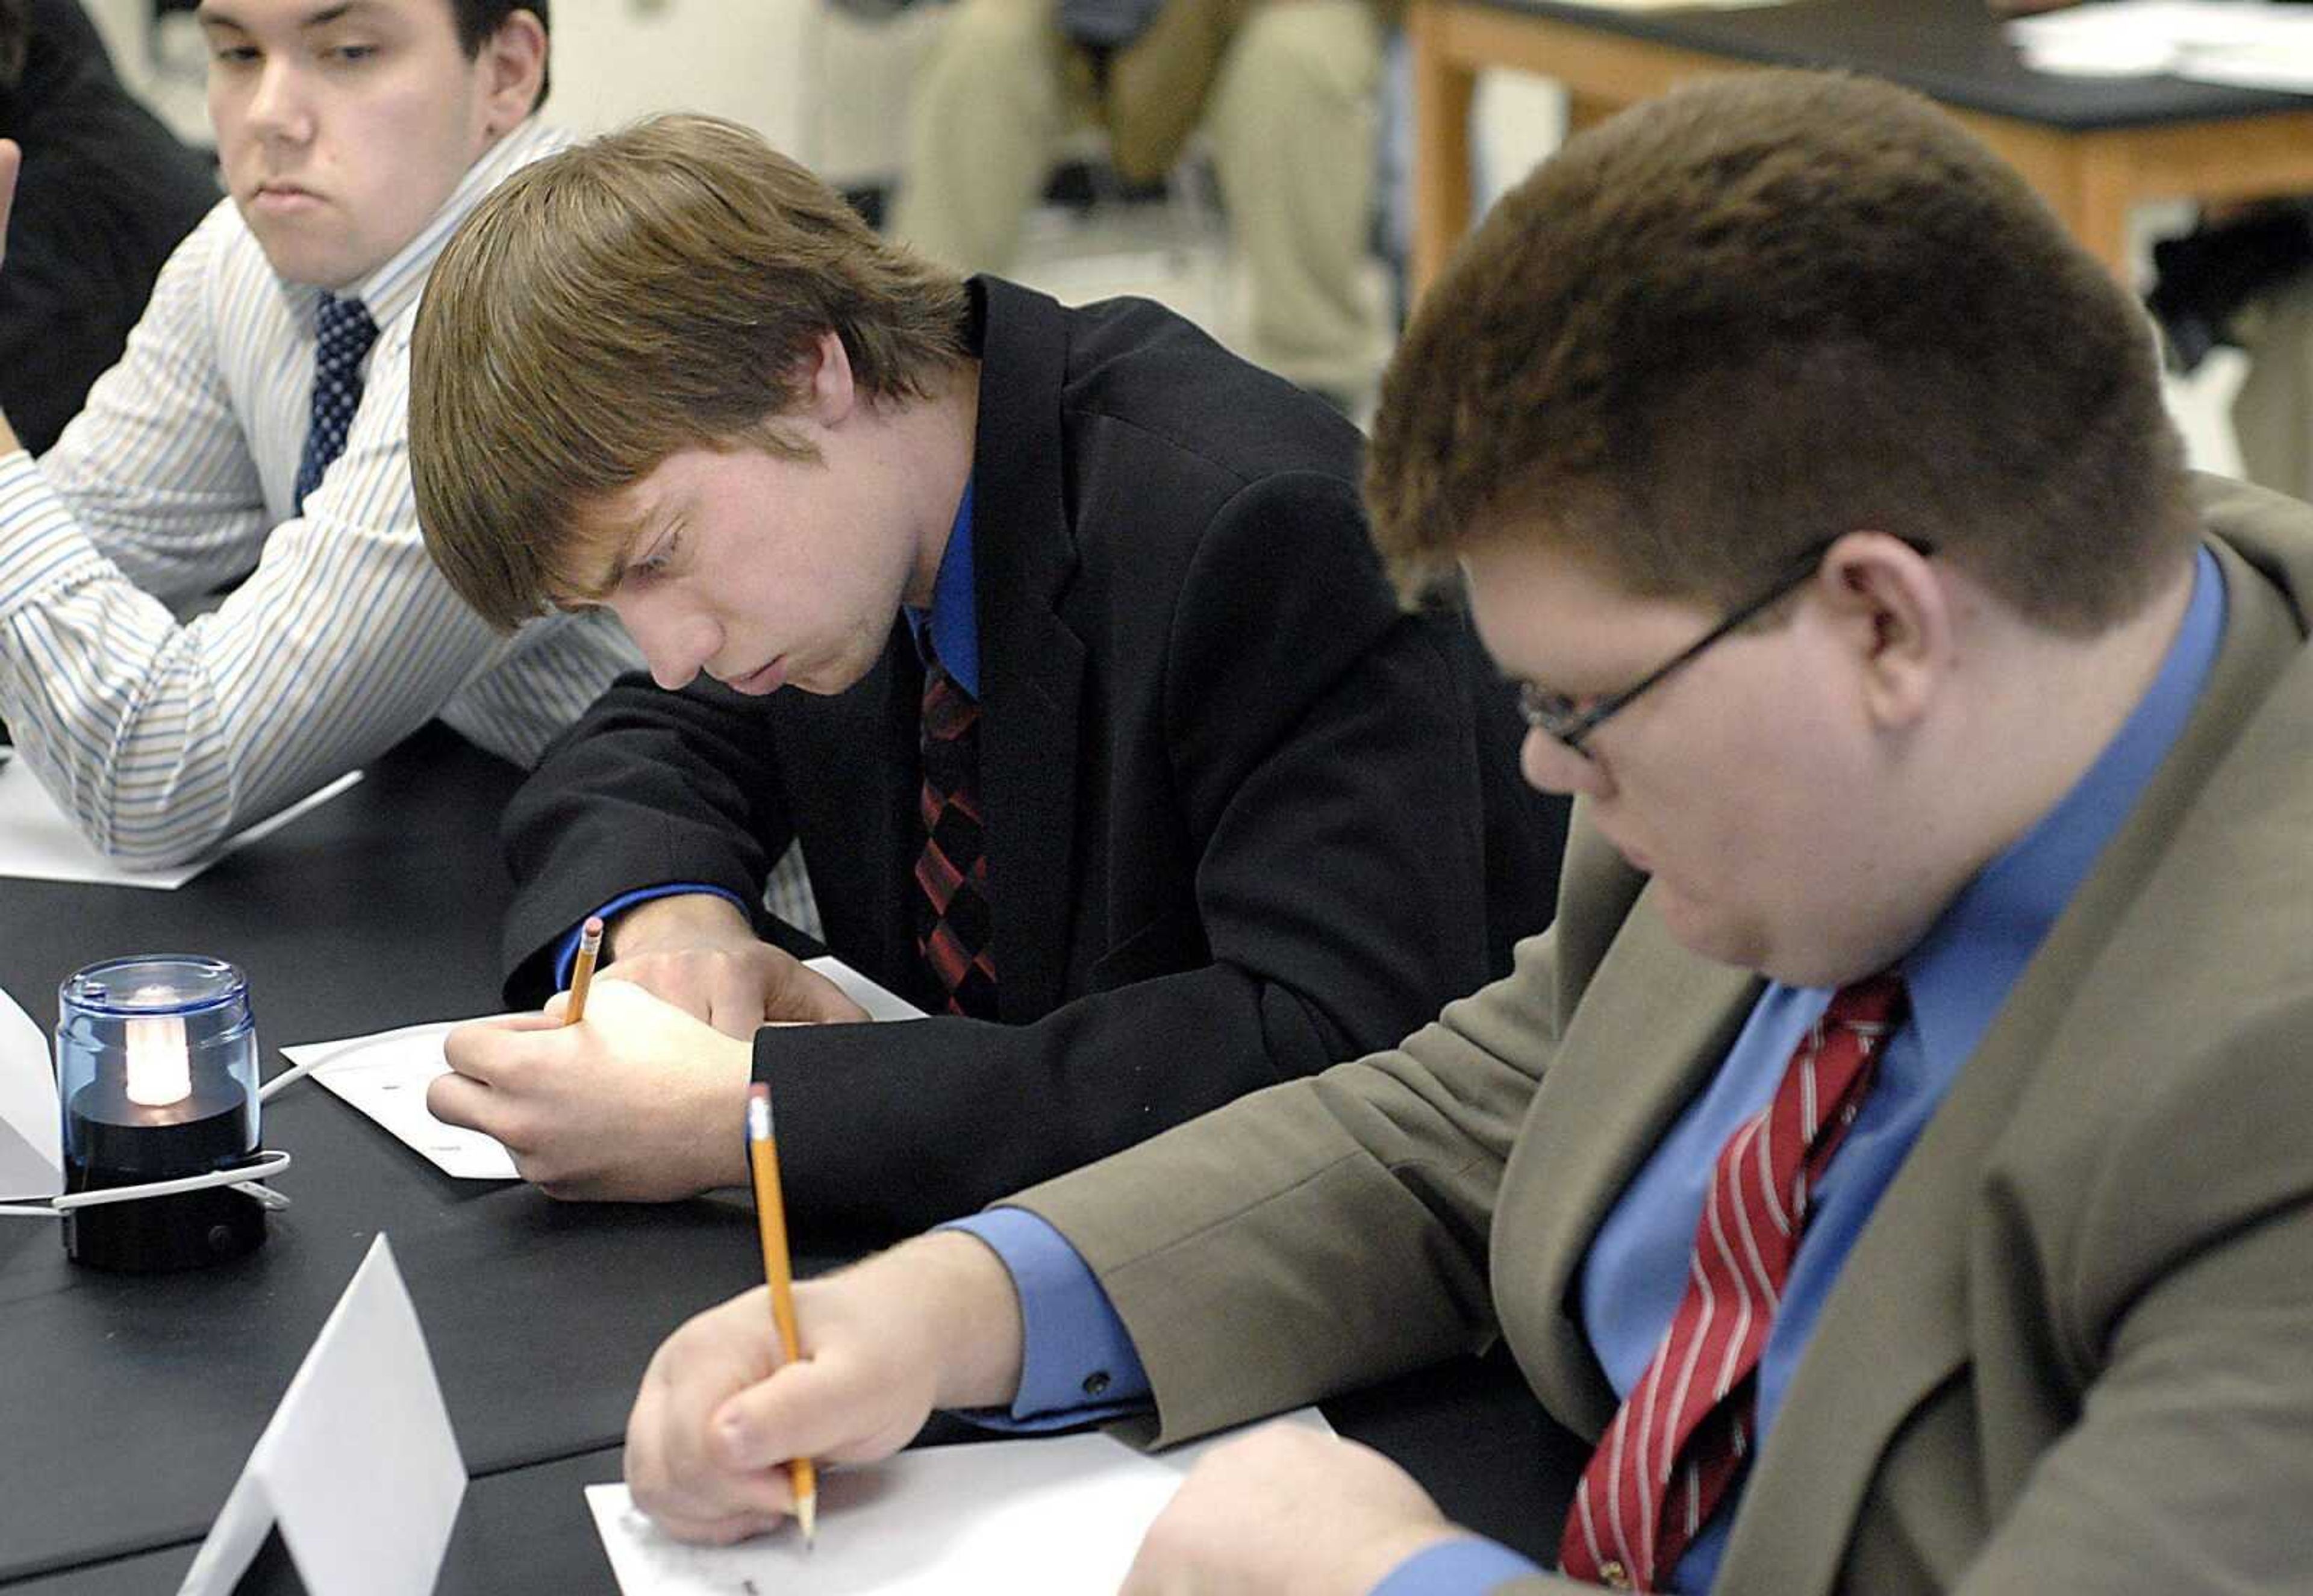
<point x="386" y="1077"/>
<point x="881" y="1002"/>
<point x="37" y="843"/>
<point x="1060" y="1514"/>
<point x="31" y="1138"/>
<point x="358" y="1466"/>
<point x="2244" y="42"/>
<point x="2288" y="68"/>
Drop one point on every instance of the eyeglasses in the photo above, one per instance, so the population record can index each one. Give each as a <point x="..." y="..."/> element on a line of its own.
<point x="1559" y="716"/>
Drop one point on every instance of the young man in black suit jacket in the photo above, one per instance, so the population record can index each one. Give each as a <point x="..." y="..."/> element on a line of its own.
<point x="1221" y="819"/>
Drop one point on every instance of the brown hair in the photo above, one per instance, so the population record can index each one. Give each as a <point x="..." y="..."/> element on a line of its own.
<point x="660" y="288"/>
<point x="1760" y="311"/>
<point x="477" y="22"/>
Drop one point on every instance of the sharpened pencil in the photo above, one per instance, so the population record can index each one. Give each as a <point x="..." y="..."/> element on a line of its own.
<point x="771" y="1219"/>
<point x="582" y="972"/>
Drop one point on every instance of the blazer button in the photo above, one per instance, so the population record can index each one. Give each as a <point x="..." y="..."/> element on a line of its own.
<point x="1095" y="1382"/>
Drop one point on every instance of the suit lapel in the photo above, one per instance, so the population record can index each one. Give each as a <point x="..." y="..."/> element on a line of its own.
<point x="1653" y="1024"/>
<point x="1894" y="1326"/>
<point x="1031" y="664"/>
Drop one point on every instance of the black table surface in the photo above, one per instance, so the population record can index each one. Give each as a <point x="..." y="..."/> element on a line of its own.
<point x="1470" y="1431"/>
<point x="132" y="1401"/>
<point x="1952" y="50"/>
<point x="129" y="1404"/>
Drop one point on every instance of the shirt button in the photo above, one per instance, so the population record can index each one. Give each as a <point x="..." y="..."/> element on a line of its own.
<point x="1616" y="1576"/>
<point x="1095" y="1382"/>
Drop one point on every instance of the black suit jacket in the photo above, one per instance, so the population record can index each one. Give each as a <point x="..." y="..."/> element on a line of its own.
<point x="1236" y="825"/>
<point x="106" y="192"/>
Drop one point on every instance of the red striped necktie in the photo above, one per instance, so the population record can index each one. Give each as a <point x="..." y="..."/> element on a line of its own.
<point x="1684" y="1430"/>
<point x="955" y="928"/>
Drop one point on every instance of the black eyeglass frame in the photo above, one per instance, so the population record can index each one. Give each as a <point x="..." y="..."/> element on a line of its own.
<point x="1554" y="715"/>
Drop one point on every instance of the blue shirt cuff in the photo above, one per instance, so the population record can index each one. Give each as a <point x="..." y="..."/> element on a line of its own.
<point x="1078" y="1364"/>
<point x="1456" y="1568"/>
<point x="566" y="953"/>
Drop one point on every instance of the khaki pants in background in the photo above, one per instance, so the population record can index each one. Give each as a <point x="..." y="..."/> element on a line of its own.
<point x="1290" y="122"/>
<point x="2273" y="413"/>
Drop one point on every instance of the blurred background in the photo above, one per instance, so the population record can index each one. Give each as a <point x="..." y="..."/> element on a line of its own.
<point x="830" y="82"/>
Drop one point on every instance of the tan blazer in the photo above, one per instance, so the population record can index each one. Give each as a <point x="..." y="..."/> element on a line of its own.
<point x="2073" y="1349"/>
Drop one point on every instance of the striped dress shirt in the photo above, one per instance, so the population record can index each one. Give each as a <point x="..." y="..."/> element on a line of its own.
<point x="162" y="737"/>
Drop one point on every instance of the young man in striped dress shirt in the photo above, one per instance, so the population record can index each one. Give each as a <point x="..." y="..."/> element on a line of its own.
<point x="354" y="136"/>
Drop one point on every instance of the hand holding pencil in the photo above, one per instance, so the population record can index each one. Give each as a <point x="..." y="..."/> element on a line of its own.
<point x="934" y="1322"/>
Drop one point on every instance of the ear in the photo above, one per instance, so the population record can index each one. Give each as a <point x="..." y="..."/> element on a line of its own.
<point x="513" y="62"/>
<point x="1896" y="614"/>
<point x="829" y="395"/>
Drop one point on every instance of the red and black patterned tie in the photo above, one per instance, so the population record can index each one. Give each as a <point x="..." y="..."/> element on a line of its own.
<point x="1684" y="1430"/>
<point x="954" y="928"/>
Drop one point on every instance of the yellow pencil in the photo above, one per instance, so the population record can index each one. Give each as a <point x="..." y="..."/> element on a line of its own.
<point x="771" y="1217"/>
<point x="590" y="948"/>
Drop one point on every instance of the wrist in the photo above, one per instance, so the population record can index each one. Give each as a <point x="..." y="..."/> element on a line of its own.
<point x="968" y="1317"/>
<point x="1369" y="1565"/>
<point x="679" y="919"/>
<point x="723" y="1081"/>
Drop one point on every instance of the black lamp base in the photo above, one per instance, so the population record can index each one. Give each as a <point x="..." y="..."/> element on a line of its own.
<point x="112" y="1142"/>
<point x="157" y="1235"/>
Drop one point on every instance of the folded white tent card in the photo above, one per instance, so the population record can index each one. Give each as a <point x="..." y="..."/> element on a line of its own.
<point x="358" y="1468"/>
<point x="32" y="1140"/>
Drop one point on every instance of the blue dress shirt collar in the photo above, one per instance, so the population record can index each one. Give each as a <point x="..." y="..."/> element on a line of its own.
<point x="954" y="617"/>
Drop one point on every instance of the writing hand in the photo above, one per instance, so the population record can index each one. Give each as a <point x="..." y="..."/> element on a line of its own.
<point x="1355" y="1515"/>
<point x="932" y="1323"/>
<point x="638" y="1102"/>
<point x="698" y="952"/>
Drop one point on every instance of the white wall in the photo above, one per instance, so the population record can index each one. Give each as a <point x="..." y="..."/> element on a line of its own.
<point x="828" y="90"/>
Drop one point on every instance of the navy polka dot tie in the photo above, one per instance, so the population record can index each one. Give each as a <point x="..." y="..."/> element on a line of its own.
<point x="346" y="332"/>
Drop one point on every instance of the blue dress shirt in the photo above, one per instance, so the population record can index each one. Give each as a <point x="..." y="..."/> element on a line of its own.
<point x="1957" y="976"/>
<point x="952" y="618"/>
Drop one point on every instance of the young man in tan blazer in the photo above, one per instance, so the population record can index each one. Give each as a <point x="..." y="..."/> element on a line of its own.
<point x="1818" y="488"/>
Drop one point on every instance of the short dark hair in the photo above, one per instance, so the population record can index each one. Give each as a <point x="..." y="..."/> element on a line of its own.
<point x="478" y="21"/>
<point x="1765" y="309"/>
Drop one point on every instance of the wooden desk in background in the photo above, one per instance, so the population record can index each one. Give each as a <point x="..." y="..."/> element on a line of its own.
<point x="2094" y="147"/>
